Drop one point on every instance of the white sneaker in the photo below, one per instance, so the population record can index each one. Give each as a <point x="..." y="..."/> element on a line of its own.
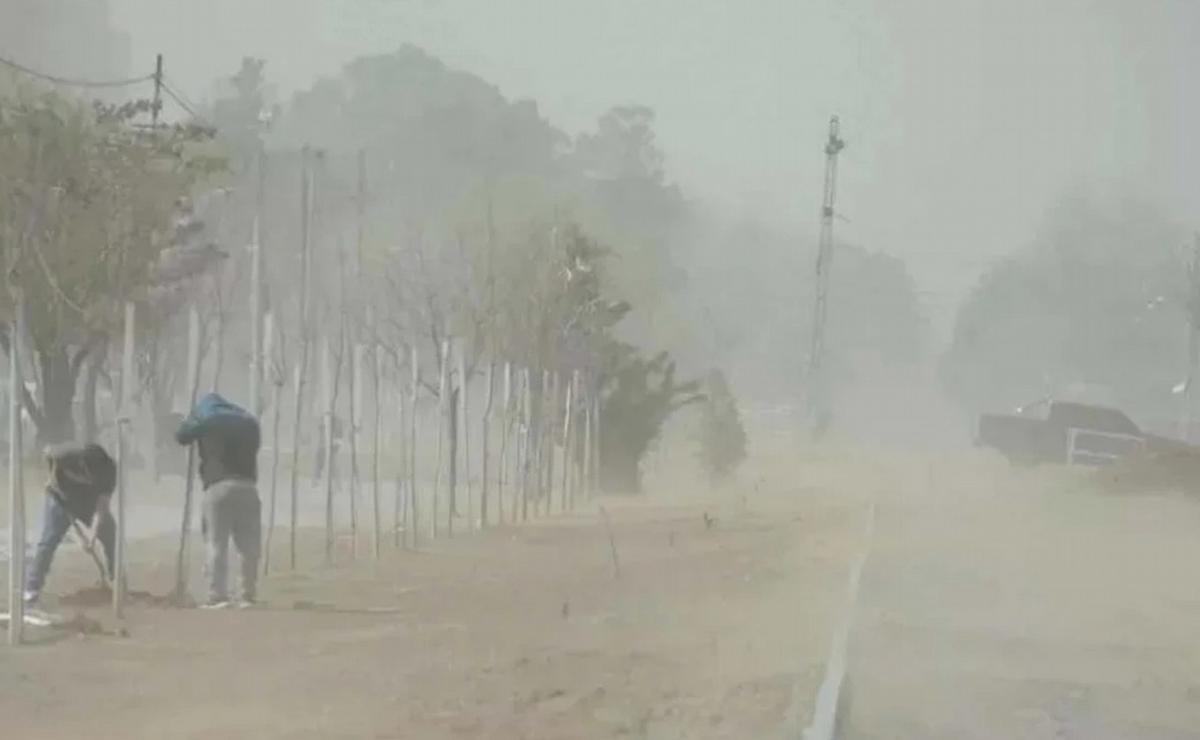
<point x="30" y="597"/>
<point x="212" y="605"/>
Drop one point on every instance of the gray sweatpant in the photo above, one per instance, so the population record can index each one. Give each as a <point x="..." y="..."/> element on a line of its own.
<point x="232" y="509"/>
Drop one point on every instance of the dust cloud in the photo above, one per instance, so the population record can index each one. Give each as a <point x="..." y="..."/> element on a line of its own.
<point x="679" y="369"/>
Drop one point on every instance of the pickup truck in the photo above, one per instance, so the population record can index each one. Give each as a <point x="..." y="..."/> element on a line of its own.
<point x="1068" y="433"/>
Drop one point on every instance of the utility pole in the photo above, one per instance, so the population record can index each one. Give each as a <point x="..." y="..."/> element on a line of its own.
<point x="158" y="80"/>
<point x="817" y="381"/>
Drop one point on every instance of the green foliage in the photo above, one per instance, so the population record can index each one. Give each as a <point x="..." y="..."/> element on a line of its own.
<point x="639" y="396"/>
<point x="86" y="200"/>
<point x="721" y="436"/>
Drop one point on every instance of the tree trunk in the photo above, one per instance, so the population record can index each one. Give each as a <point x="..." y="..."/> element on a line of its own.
<point x="57" y="395"/>
<point x="91" y="428"/>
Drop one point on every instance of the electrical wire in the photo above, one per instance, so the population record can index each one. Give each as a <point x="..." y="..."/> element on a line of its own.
<point x="74" y="82"/>
<point x="181" y="101"/>
<point x="184" y="101"/>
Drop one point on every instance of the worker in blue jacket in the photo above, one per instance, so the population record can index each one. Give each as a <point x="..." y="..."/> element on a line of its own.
<point x="228" y="439"/>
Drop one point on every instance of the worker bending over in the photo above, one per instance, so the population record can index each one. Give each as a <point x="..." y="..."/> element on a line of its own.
<point x="82" y="479"/>
<point x="228" y="440"/>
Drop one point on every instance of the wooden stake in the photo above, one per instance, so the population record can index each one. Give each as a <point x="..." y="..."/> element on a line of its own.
<point x="612" y="543"/>
<point x="414" y="391"/>
<point x="464" y="427"/>
<point x="400" y="505"/>
<point x="527" y="437"/>
<point x="293" y="491"/>
<point x="566" y="433"/>
<point x="443" y="404"/>
<point x="302" y="325"/>
<point x="256" y="338"/>
<point x="276" y="404"/>
<point x="327" y="404"/>
<point x="124" y="417"/>
<point x="16" y="482"/>
<point x="484" y="451"/>
<point x="218" y="349"/>
<point x="505" y="423"/>
<point x="596" y="446"/>
<point x="550" y="434"/>
<point x="586" y="469"/>
<point x="355" y="376"/>
<point x="377" y="361"/>
<point x="193" y="380"/>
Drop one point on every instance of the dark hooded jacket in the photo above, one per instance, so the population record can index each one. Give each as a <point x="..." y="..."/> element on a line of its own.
<point x="228" y="437"/>
<point x="80" y="474"/>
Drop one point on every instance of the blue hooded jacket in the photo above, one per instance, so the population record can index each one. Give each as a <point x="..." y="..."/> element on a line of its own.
<point x="228" y="438"/>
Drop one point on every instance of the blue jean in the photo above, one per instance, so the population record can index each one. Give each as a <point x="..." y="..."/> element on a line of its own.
<point x="56" y="522"/>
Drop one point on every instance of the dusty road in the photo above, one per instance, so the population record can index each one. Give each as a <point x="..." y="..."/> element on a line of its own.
<point x="1009" y="604"/>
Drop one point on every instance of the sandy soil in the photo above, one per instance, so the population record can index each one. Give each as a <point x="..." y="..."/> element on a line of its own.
<point x="712" y="630"/>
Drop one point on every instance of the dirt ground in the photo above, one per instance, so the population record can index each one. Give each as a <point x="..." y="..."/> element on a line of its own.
<point x="715" y="627"/>
<point x="994" y="604"/>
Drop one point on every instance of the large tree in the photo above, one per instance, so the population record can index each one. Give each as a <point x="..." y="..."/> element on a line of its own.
<point x="86" y="202"/>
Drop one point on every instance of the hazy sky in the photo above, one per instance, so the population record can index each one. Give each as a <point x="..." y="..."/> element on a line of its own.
<point x="964" y="118"/>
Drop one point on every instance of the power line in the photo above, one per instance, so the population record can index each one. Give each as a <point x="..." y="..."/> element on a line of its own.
<point x="182" y="102"/>
<point x="73" y="82"/>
